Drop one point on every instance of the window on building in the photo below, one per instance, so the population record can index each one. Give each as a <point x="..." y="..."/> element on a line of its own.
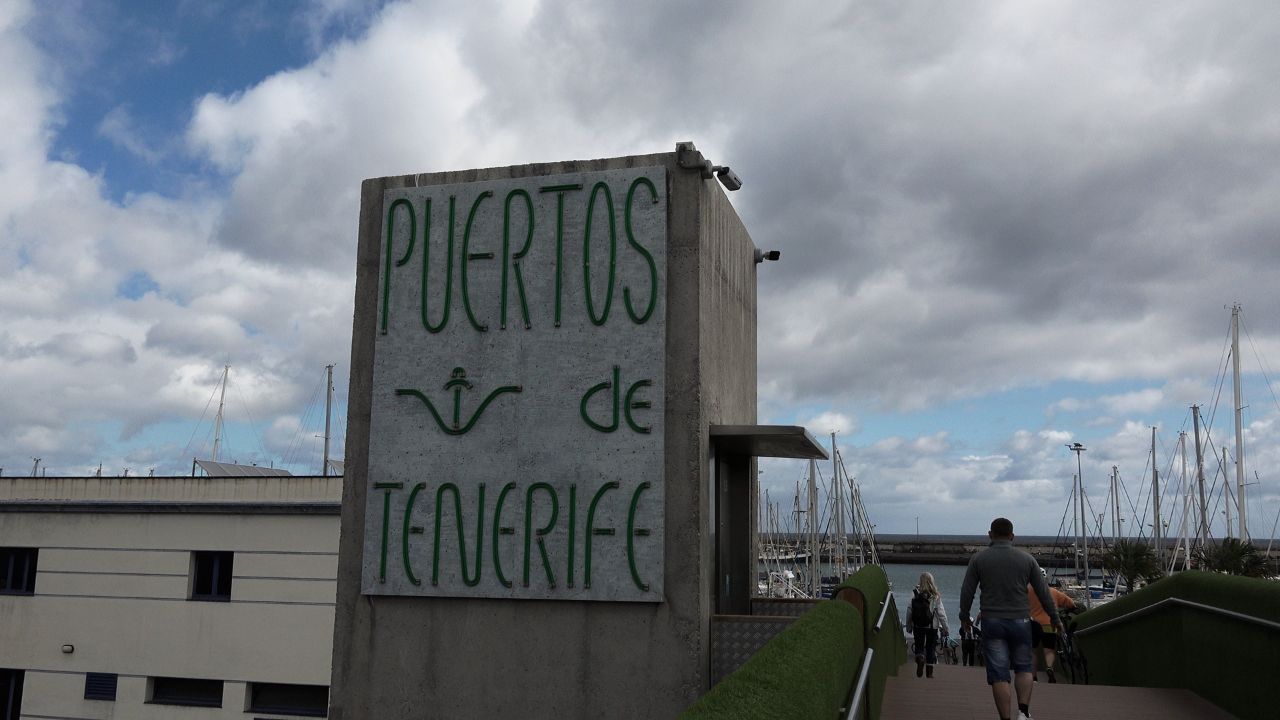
<point x="211" y="575"/>
<point x="10" y="694"/>
<point x="100" y="686"/>
<point x="17" y="571"/>
<point x="186" y="691"/>
<point x="277" y="699"/>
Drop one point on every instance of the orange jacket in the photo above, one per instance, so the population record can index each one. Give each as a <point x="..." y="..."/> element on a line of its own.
<point x="1061" y="599"/>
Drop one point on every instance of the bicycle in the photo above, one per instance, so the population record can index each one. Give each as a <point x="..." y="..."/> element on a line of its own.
<point x="1069" y="656"/>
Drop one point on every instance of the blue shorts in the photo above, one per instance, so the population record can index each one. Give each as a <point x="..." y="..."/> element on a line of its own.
<point x="1006" y="642"/>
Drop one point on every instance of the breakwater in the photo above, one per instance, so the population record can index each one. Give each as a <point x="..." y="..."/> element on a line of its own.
<point x="1050" y="552"/>
<point x="958" y="553"/>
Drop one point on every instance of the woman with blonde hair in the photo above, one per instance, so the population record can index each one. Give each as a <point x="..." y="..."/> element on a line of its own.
<point x="927" y="617"/>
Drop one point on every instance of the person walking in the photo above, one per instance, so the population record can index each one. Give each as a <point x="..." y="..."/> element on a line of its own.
<point x="1003" y="572"/>
<point x="1047" y="639"/>
<point x="928" y="616"/>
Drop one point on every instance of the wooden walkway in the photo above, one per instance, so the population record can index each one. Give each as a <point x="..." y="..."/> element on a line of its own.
<point x="961" y="693"/>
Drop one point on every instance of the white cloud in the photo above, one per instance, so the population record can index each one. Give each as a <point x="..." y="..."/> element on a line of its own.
<point x="827" y="422"/>
<point x="1070" y="405"/>
<point x="118" y="126"/>
<point x="75" y="354"/>
<point x="1139" y="401"/>
<point x="968" y="200"/>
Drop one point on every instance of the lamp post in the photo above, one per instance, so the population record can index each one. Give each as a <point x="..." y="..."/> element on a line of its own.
<point x="1077" y="448"/>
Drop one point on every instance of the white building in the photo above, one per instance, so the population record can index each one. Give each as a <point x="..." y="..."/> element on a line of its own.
<point x="208" y="597"/>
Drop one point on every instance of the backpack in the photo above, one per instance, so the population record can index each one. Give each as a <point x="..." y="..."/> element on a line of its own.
<point x="921" y="611"/>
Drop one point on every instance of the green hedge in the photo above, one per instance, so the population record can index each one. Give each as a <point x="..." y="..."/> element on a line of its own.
<point x="890" y="644"/>
<point x="803" y="673"/>
<point x="871" y="580"/>
<point x="807" y="672"/>
<point x="1217" y="657"/>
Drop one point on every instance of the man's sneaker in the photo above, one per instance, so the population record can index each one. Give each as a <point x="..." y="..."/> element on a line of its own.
<point x="1023" y="716"/>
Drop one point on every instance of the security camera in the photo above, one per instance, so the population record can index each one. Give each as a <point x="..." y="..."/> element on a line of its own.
<point x="761" y="255"/>
<point x="688" y="158"/>
<point x="728" y="178"/>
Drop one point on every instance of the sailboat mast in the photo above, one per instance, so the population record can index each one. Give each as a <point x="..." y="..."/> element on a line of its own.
<point x="1155" y="494"/>
<point x="1115" y="506"/>
<point x="842" y="537"/>
<point x="1204" y="520"/>
<point x="328" y="413"/>
<point x="217" y="422"/>
<point x="860" y="524"/>
<point x="1226" y="499"/>
<point x="1241" y="507"/>
<point x="815" y="582"/>
<point x="1075" y="524"/>
<point x="1226" y="489"/>
<point x="1183" y="493"/>
<point x="1186" y="506"/>
<point x="768" y="541"/>
<point x="1084" y="538"/>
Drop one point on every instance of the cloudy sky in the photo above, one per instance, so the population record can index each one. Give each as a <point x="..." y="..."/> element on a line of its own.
<point x="1005" y="226"/>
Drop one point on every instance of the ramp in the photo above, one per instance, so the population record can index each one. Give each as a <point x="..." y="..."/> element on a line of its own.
<point x="961" y="693"/>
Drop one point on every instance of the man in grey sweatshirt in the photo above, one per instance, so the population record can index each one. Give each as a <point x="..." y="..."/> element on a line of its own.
<point x="1003" y="572"/>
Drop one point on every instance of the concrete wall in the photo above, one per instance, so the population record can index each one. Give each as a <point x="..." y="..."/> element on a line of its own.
<point x="466" y="658"/>
<point x="114" y="582"/>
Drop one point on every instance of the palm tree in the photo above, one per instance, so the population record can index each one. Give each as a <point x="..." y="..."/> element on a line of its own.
<point x="1131" y="561"/>
<point x="1234" y="557"/>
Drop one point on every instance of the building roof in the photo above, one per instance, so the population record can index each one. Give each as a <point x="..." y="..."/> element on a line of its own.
<point x="217" y="469"/>
<point x="781" y="441"/>
<point x="247" y="494"/>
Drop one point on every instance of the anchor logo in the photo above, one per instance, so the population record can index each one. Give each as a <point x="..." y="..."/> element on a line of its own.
<point x="458" y="382"/>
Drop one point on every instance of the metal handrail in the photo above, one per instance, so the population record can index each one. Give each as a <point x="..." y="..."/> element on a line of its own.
<point x="1178" y="601"/>
<point x="884" y="610"/>
<point x="860" y="687"/>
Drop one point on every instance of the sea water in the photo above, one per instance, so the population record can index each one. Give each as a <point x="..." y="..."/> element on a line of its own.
<point x="948" y="578"/>
<point x="903" y="578"/>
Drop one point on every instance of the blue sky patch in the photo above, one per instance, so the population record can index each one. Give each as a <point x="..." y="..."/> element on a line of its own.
<point x="141" y="67"/>
<point x="138" y="283"/>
